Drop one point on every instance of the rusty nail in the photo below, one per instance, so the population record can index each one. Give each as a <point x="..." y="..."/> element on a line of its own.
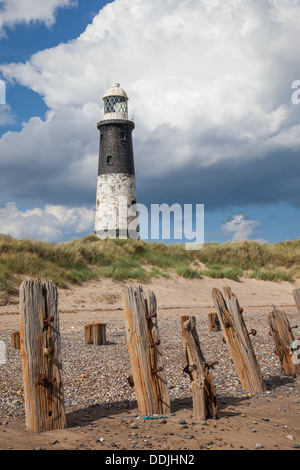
<point x="155" y="343"/>
<point x="293" y="327"/>
<point x="49" y="320"/>
<point x="42" y="379"/>
<point x="252" y="332"/>
<point x="241" y="310"/>
<point x="157" y="370"/>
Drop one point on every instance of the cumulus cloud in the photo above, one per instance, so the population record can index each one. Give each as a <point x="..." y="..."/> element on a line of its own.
<point x="26" y="11"/>
<point x="53" y="223"/>
<point x="2" y="92"/>
<point x="240" y="227"/>
<point x="209" y="83"/>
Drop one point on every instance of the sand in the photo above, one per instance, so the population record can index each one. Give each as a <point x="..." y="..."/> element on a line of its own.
<point x="246" y="421"/>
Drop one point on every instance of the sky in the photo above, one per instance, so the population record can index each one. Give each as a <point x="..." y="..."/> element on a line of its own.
<point x="214" y="87"/>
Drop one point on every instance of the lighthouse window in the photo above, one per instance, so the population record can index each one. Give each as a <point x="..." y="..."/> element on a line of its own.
<point x="123" y="136"/>
<point x="109" y="160"/>
<point x="115" y="104"/>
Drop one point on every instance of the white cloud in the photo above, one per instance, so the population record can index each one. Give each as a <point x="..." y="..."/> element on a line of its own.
<point x="26" y="11"/>
<point x="53" y="223"/>
<point x="240" y="227"/>
<point x="205" y="79"/>
<point x="197" y="68"/>
<point x="2" y="92"/>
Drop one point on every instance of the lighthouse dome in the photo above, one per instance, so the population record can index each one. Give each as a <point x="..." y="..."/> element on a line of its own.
<point x="115" y="103"/>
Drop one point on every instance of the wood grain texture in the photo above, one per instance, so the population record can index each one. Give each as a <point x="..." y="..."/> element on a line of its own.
<point x="95" y="334"/>
<point x="147" y="364"/>
<point x="296" y="294"/>
<point x="281" y="332"/>
<point x="41" y="356"/>
<point x="213" y="322"/>
<point x="205" y="402"/>
<point x="15" y="340"/>
<point x="238" y="341"/>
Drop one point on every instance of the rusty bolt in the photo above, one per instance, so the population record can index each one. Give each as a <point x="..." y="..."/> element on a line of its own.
<point x="148" y="317"/>
<point x="155" y="343"/>
<point x="43" y="380"/>
<point x="211" y="365"/>
<point x="252" y="332"/>
<point x="48" y="351"/>
<point x="157" y="370"/>
<point x="49" y="320"/>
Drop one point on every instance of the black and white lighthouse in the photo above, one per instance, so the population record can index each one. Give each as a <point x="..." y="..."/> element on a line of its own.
<point x="116" y="215"/>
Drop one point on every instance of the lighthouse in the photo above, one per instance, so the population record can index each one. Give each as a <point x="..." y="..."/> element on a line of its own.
<point x="116" y="212"/>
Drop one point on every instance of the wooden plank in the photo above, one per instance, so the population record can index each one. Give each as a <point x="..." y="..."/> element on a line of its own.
<point x="88" y="334"/>
<point x="213" y="322"/>
<point x="147" y="364"/>
<point x="95" y="334"/>
<point x="99" y="334"/>
<point x="205" y="402"/>
<point x="238" y="341"/>
<point x="296" y="294"/>
<point x="41" y="355"/>
<point x="281" y="332"/>
<point x="15" y="340"/>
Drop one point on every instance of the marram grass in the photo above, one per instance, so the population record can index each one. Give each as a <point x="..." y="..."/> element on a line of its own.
<point x="90" y="258"/>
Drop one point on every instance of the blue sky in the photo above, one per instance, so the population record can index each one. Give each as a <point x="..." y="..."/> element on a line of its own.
<point x="210" y="85"/>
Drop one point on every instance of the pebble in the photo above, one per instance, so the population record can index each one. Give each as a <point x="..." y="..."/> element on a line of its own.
<point x="259" y="446"/>
<point x="88" y="381"/>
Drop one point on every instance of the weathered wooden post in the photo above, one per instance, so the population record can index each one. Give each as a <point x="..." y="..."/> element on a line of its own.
<point x="15" y="340"/>
<point x="213" y="322"/>
<point x="205" y="402"/>
<point x="95" y="334"/>
<point x="296" y="294"/>
<point x="238" y="341"/>
<point x="146" y="357"/>
<point x="281" y="332"/>
<point x="41" y="354"/>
